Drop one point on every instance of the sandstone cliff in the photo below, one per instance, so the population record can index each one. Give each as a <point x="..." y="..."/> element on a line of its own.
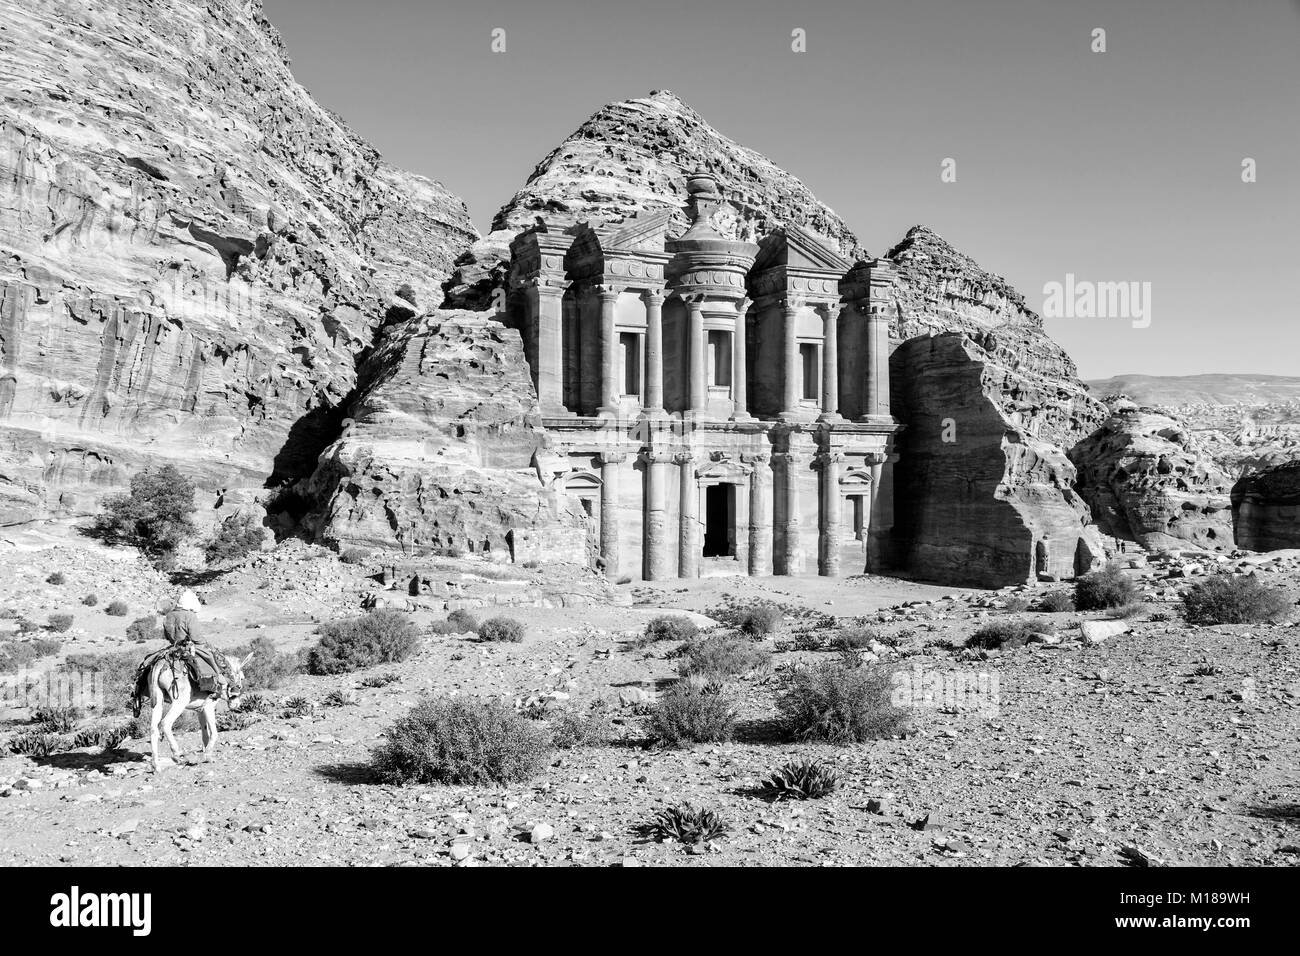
<point x="194" y="251"/>
<point x="1266" y="508"/>
<point x="981" y="499"/>
<point x="1148" y="480"/>
<point x="636" y="155"/>
<point x="440" y="454"/>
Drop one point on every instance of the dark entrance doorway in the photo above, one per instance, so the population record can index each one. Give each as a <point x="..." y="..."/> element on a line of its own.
<point x="719" y="520"/>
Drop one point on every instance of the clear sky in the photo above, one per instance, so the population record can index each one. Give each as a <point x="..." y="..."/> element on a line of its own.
<point x="1122" y="166"/>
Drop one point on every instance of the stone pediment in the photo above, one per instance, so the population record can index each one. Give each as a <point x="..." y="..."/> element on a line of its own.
<point x="644" y="231"/>
<point x="796" y="248"/>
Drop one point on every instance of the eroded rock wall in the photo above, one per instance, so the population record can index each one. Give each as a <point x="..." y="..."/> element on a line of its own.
<point x="1266" y="508"/>
<point x="1147" y="479"/>
<point x="440" y="455"/>
<point x="980" y="499"/>
<point x="194" y="251"/>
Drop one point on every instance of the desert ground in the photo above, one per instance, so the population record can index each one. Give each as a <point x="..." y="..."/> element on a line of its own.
<point x="1168" y="744"/>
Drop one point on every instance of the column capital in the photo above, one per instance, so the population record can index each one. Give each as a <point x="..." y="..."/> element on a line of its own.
<point x="757" y="459"/>
<point x="830" y="309"/>
<point x="608" y="292"/>
<point x="653" y="296"/>
<point x="793" y="303"/>
<point x="792" y="458"/>
<point x="544" y="284"/>
<point x="830" y="458"/>
<point x="652" y="456"/>
<point x="612" y="457"/>
<point x="684" y="457"/>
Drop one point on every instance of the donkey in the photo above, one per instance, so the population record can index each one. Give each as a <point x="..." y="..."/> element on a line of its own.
<point x="171" y="693"/>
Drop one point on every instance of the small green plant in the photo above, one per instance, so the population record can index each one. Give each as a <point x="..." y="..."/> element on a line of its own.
<point x="854" y="639"/>
<point x="689" y="713"/>
<point x="90" y="600"/>
<point x="1005" y="635"/>
<point x="841" y="705"/>
<point x="269" y="667"/>
<point x="60" y="623"/>
<point x="802" y="780"/>
<point x="502" y="629"/>
<point x="236" y="538"/>
<point x="56" y="578"/>
<point x="39" y="744"/>
<point x="117" y="609"/>
<point x="685" y="824"/>
<point x="380" y="680"/>
<point x="1107" y="587"/>
<point x="379" y="637"/>
<point x="1015" y="604"/>
<point x="342" y="698"/>
<point x="1057" y="602"/>
<point x="670" y="628"/>
<point x="759" y="621"/>
<point x="256" y="703"/>
<point x="722" y="656"/>
<point x="55" y="719"/>
<point x="465" y="622"/>
<point x="298" y="707"/>
<point x="354" y="556"/>
<point x="1206" y="670"/>
<point x="108" y="735"/>
<point x="1225" y="599"/>
<point x="571" y="728"/>
<point x="143" y="629"/>
<point x="462" y="740"/>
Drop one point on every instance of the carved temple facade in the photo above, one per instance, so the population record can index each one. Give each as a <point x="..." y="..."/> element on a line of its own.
<point x="714" y="406"/>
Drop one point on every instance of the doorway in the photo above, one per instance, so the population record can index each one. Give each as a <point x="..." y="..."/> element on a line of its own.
<point x="719" y="521"/>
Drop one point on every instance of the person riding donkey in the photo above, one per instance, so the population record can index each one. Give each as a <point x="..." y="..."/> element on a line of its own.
<point x="181" y="628"/>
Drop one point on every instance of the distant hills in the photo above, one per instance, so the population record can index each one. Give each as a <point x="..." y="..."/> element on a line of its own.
<point x="1214" y="389"/>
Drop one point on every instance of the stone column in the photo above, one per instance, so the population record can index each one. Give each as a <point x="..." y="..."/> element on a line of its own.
<point x="875" y="405"/>
<point x="609" y="511"/>
<point x="656" y="519"/>
<point x="609" y="367"/>
<point x="881" y="527"/>
<point x="699" y="389"/>
<point x="790" y="363"/>
<point x="790" y="554"/>
<point x="550" y="349"/>
<point x="830" y="532"/>
<point x="830" y="360"/>
<point x="760" y="515"/>
<point x="654" y="350"/>
<point x="739" y="360"/>
<point x="572" y="389"/>
<point x="688" y="555"/>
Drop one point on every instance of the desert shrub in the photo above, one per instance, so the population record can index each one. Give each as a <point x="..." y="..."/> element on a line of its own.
<point x="256" y="703"/>
<point x="90" y="600"/>
<point x="378" y="637"/>
<point x="269" y="667"/>
<point x="672" y="627"/>
<point x="155" y="516"/>
<point x="298" y="707"/>
<point x="354" y="556"/>
<point x="237" y="537"/>
<point x="345" y="697"/>
<point x="801" y="780"/>
<point x="56" y="578"/>
<point x="107" y="734"/>
<point x="442" y="628"/>
<point x="38" y="743"/>
<point x="1057" y="602"/>
<point x="45" y="646"/>
<point x="1224" y="599"/>
<point x="1126" y="612"/>
<point x="502" y="629"/>
<point x="854" y="638"/>
<point x="721" y="656"/>
<point x="464" y="620"/>
<point x="117" y="609"/>
<point x="1004" y="635"/>
<point x="688" y="713"/>
<point x="840" y="704"/>
<point x="143" y="629"/>
<point x="229" y="720"/>
<point x="59" y="623"/>
<point x="1016" y="603"/>
<point x="380" y="680"/>
<point x="404" y="291"/>
<point x="59" y="720"/>
<point x="1107" y="587"/>
<point x="117" y="672"/>
<point x="571" y="728"/>
<point x="686" y="824"/>
<point x="758" y="621"/>
<point x="15" y="655"/>
<point x="462" y="740"/>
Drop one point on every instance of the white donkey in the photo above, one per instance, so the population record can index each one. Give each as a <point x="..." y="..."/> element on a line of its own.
<point x="171" y="693"/>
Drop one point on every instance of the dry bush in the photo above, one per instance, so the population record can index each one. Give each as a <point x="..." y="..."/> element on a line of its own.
<point x="840" y="704"/>
<point x="722" y="656"/>
<point x="503" y="629"/>
<point x="1107" y="587"/>
<point x="1225" y="599"/>
<point x="59" y="623"/>
<point x="462" y="740"/>
<point x="117" y="609"/>
<point x="688" y="713"/>
<point x="378" y="637"/>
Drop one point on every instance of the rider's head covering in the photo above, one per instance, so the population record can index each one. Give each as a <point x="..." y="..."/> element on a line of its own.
<point x="188" y="601"/>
